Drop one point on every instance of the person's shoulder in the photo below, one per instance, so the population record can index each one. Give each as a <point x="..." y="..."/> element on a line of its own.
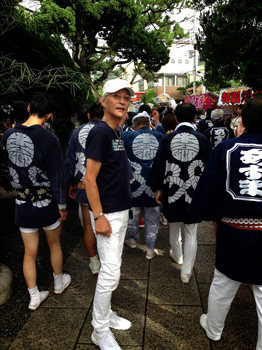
<point x="159" y="135"/>
<point x="99" y="133"/>
<point x="100" y="127"/>
<point x="226" y="145"/>
<point x="207" y="131"/>
<point x="166" y="138"/>
<point x="8" y="132"/>
<point x="52" y="138"/>
<point x="202" y="138"/>
<point x="130" y="133"/>
<point x="76" y="131"/>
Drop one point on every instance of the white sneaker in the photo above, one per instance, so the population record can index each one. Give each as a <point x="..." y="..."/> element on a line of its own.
<point x="61" y="283"/>
<point x="118" y="322"/>
<point x="203" y="323"/>
<point x="105" y="340"/>
<point x="94" y="266"/>
<point x="179" y="261"/>
<point x="185" y="278"/>
<point x="150" y="253"/>
<point x="131" y="243"/>
<point x="37" y="299"/>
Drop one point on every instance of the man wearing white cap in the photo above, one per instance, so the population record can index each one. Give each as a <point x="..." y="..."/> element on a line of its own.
<point x="218" y="132"/>
<point x="107" y="183"/>
<point x="141" y="147"/>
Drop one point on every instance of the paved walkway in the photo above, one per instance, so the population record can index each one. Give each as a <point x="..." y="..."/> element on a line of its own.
<point x="163" y="311"/>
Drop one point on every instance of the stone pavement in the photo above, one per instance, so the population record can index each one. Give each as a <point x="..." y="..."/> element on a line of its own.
<point x="164" y="312"/>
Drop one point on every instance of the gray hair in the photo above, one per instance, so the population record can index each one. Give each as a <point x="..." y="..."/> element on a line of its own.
<point x="217" y="114"/>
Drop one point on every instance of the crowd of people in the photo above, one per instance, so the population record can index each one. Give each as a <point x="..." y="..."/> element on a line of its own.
<point x="161" y="164"/>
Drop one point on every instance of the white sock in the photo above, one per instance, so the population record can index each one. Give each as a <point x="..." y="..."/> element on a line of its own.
<point x="58" y="279"/>
<point x="94" y="258"/>
<point x="33" y="291"/>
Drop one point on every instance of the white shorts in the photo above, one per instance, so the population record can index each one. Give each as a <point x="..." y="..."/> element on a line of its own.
<point x="48" y="228"/>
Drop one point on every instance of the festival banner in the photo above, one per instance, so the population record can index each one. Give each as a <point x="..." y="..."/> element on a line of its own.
<point x="236" y="96"/>
<point x="202" y="101"/>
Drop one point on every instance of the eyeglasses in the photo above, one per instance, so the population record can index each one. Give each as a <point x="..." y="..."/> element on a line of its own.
<point x="118" y="97"/>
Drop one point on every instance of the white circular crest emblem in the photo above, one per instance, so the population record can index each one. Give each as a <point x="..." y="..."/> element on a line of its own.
<point x="145" y="146"/>
<point x="184" y="147"/>
<point x="20" y="149"/>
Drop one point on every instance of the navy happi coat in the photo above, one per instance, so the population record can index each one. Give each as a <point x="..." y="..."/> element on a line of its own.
<point x="218" y="133"/>
<point x="75" y="160"/>
<point x="141" y="148"/>
<point x="231" y="187"/>
<point x="178" y="165"/>
<point x="35" y="164"/>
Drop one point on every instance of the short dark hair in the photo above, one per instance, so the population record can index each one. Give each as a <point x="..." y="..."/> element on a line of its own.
<point x="146" y="108"/>
<point x="141" y="121"/>
<point x="41" y="104"/>
<point x="185" y="112"/>
<point x="82" y="113"/>
<point x="130" y="117"/>
<point x="252" y="113"/>
<point x="169" y="121"/>
<point x="96" y="110"/>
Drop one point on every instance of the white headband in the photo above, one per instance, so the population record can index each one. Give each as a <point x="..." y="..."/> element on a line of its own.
<point x="143" y="114"/>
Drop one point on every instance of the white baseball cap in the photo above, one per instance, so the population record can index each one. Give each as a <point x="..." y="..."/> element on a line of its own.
<point x="117" y="84"/>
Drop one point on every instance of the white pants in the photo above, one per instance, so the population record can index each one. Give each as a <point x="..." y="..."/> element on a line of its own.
<point x="110" y="254"/>
<point x="190" y="244"/>
<point x="222" y="293"/>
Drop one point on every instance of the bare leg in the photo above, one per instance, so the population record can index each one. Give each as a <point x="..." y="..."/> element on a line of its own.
<point x="89" y="237"/>
<point x="31" y="243"/>
<point x="56" y="255"/>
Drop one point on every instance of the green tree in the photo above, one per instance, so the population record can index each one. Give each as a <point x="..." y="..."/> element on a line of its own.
<point x="230" y="42"/>
<point x="188" y="90"/>
<point x="31" y="60"/>
<point x="148" y="97"/>
<point x="104" y="34"/>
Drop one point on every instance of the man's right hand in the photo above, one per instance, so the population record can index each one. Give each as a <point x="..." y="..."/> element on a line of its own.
<point x="103" y="227"/>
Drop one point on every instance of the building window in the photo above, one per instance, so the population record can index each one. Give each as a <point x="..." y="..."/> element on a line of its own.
<point x="170" y="80"/>
<point x="150" y="84"/>
<point x="141" y="85"/>
<point x="186" y="61"/>
<point x="182" y="81"/>
<point x="179" y="61"/>
<point x="173" y="61"/>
